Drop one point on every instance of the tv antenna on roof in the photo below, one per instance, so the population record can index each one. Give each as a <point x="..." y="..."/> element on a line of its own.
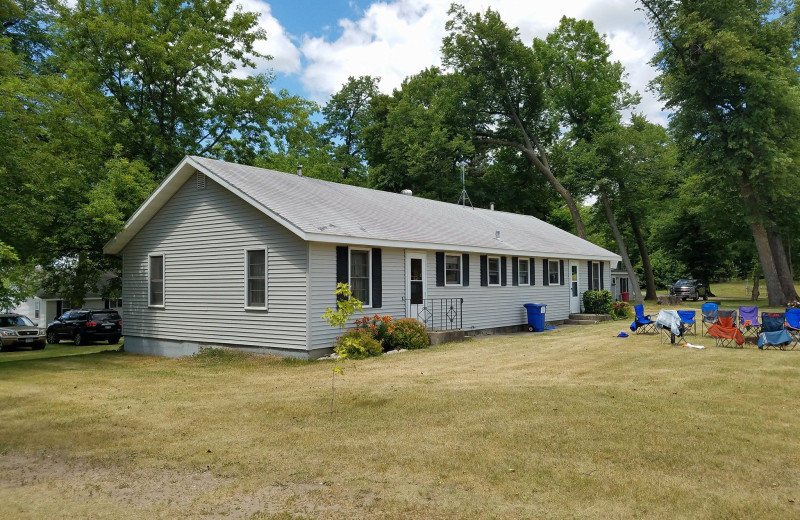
<point x="464" y="198"/>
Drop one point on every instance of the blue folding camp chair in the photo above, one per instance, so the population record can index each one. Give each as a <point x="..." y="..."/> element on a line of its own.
<point x="709" y="312"/>
<point x="642" y="324"/>
<point x="773" y="331"/>
<point x="748" y="321"/>
<point x="793" y="326"/>
<point x="687" y="319"/>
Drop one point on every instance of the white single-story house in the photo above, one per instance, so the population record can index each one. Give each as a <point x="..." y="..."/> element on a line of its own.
<point x="620" y="282"/>
<point x="228" y="255"/>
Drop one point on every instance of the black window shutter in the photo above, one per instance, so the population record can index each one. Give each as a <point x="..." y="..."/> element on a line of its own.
<point x="342" y="267"/>
<point x="561" y="271"/>
<point x="484" y="271"/>
<point x="532" y="265"/>
<point x="602" y="283"/>
<point x="514" y="270"/>
<point x="545" y="271"/>
<point x="503" y="271"/>
<point x="377" y="278"/>
<point x="589" y="276"/>
<point x="465" y="270"/>
<point x="439" y="269"/>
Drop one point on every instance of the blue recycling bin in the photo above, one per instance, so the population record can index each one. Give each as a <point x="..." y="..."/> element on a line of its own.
<point x="536" y="312"/>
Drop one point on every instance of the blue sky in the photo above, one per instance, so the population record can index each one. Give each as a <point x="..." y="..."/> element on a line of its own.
<point x="317" y="44"/>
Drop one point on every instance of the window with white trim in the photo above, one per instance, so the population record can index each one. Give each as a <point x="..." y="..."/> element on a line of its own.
<point x="36" y="309"/>
<point x="156" y="281"/>
<point x="553" y="272"/>
<point x="452" y="270"/>
<point x="494" y="270"/>
<point x="524" y="268"/>
<point x="360" y="275"/>
<point x="256" y="279"/>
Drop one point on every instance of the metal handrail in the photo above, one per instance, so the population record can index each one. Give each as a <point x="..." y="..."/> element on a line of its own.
<point x="444" y="312"/>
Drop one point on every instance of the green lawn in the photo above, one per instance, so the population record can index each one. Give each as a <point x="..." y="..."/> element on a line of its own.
<point x="573" y="423"/>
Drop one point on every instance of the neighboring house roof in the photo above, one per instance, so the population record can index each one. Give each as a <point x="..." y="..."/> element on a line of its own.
<point x="323" y="211"/>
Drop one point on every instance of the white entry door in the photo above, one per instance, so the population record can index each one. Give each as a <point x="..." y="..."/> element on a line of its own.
<point x="574" y="294"/>
<point x="416" y="287"/>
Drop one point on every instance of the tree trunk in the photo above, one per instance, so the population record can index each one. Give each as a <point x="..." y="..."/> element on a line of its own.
<point x="774" y="289"/>
<point x="756" y="279"/>
<point x="544" y="168"/>
<point x="782" y="265"/>
<point x="650" y="280"/>
<point x="623" y="251"/>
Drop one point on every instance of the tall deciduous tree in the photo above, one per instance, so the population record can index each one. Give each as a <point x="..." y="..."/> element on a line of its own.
<point x="347" y="114"/>
<point x="506" y="93"/>
<point x="729" y="71"/>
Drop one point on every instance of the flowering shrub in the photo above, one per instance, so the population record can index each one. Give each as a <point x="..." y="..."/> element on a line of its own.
<point x="357" y="344"/>
<point x="409" y="334"/>
<point x="380" y="327"/>
<point x="406" y="333"/>
<point x="622" y="310"/>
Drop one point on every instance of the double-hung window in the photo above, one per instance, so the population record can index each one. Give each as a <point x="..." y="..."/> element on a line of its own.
<point x="452" y="269"/>
<point x="594" y="276"/>
<point x="156" y="281"/>
<point x="494" y="270"/>
<point x="524" y="269"/>
<point x="360" y="273"/>
<point x="256" y="279"/>
<point x="553" y="272"/>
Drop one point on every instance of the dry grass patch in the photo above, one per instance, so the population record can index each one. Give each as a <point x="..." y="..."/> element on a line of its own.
<point x="573" y="423"/>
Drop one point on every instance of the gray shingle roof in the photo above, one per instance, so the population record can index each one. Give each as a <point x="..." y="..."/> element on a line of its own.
<point x="338" y="210"/>
<point x="325" y="211"/>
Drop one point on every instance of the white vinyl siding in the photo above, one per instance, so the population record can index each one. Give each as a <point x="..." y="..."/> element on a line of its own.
<point x="322" y="283"/>
<point x="202" y="234"/>
<point x="256" y="279"/>
<point x="452" y="269"/>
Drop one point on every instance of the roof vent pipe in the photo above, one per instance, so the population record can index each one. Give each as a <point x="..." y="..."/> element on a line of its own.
<point x="491" y="206"/>
<point x="299" y="170"/>
<point x="407" y="192"/>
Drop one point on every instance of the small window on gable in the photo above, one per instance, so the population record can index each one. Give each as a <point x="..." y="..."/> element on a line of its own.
<point x="452" y="269"/>
<point x="360" y="272"/>
<point x="524" y="271"/>
<point x="494" y="270"/>
<point x="156" y="279"/>
<point x="256" y="279"/>
<point x="553" y="272"/>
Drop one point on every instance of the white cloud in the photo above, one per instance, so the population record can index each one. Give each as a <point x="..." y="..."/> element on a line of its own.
<point x="279" y="45"/>
<point x="395" y="39"/>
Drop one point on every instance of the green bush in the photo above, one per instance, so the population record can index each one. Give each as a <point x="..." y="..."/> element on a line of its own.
<point x="408" y="333"/>
<point x="598" y="302"/>
<point x="358" y="344"/>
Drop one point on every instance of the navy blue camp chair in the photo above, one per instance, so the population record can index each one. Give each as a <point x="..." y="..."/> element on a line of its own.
<point x="773" y="331"/>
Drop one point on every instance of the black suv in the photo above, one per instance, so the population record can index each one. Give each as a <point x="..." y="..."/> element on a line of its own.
<point x="688" y="288"/>
<point x="85" y="325"/>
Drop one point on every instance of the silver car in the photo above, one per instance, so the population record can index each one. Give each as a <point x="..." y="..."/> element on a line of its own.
<point x="17" y="331"/>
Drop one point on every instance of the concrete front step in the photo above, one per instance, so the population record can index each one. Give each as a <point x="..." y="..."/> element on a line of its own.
<point x="587" y="319"/>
